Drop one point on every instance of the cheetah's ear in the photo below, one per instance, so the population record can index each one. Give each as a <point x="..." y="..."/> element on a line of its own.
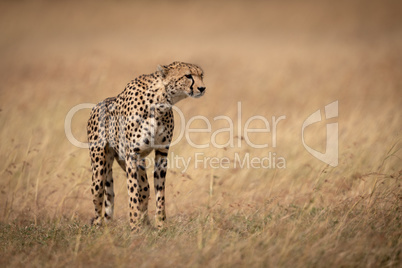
<point x="163" y="70"/>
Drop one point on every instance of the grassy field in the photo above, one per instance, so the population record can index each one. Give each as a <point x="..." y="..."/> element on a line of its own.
<point x="271" y="58"/>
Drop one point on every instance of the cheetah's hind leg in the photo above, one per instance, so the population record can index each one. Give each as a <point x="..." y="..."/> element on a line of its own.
<point x="102" y="184"/>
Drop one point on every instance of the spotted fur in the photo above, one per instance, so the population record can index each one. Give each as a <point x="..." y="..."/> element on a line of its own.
<point x="127" y="128"/>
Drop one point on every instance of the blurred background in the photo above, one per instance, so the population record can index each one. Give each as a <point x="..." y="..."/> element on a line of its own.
<point x="277" y="58"/>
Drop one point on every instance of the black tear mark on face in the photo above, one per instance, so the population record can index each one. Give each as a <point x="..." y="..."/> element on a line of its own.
<point x="189" y="76"/>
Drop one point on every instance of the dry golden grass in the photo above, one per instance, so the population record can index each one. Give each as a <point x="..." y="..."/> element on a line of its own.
<point x="276" y="59"/>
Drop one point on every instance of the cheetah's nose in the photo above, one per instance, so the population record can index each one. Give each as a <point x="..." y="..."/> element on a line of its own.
<point x="201" y="89"/>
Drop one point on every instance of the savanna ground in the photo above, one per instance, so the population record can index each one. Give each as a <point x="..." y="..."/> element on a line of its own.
<point x="276" y="59"/>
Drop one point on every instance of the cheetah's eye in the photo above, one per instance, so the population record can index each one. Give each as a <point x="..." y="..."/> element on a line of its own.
<point x="189" y="76"/>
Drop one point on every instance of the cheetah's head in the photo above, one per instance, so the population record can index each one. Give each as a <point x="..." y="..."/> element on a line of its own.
<point x="182" y="80"/>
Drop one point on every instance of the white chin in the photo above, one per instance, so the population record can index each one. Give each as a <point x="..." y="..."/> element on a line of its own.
<point x="196" y="96"/>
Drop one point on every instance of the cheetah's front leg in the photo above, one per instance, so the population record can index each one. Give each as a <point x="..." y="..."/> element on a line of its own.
<point x="138" y="191"/>
<point x="159" y="182"/>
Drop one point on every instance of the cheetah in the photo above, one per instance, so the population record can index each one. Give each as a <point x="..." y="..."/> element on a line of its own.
<point x="129" y="127"/>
